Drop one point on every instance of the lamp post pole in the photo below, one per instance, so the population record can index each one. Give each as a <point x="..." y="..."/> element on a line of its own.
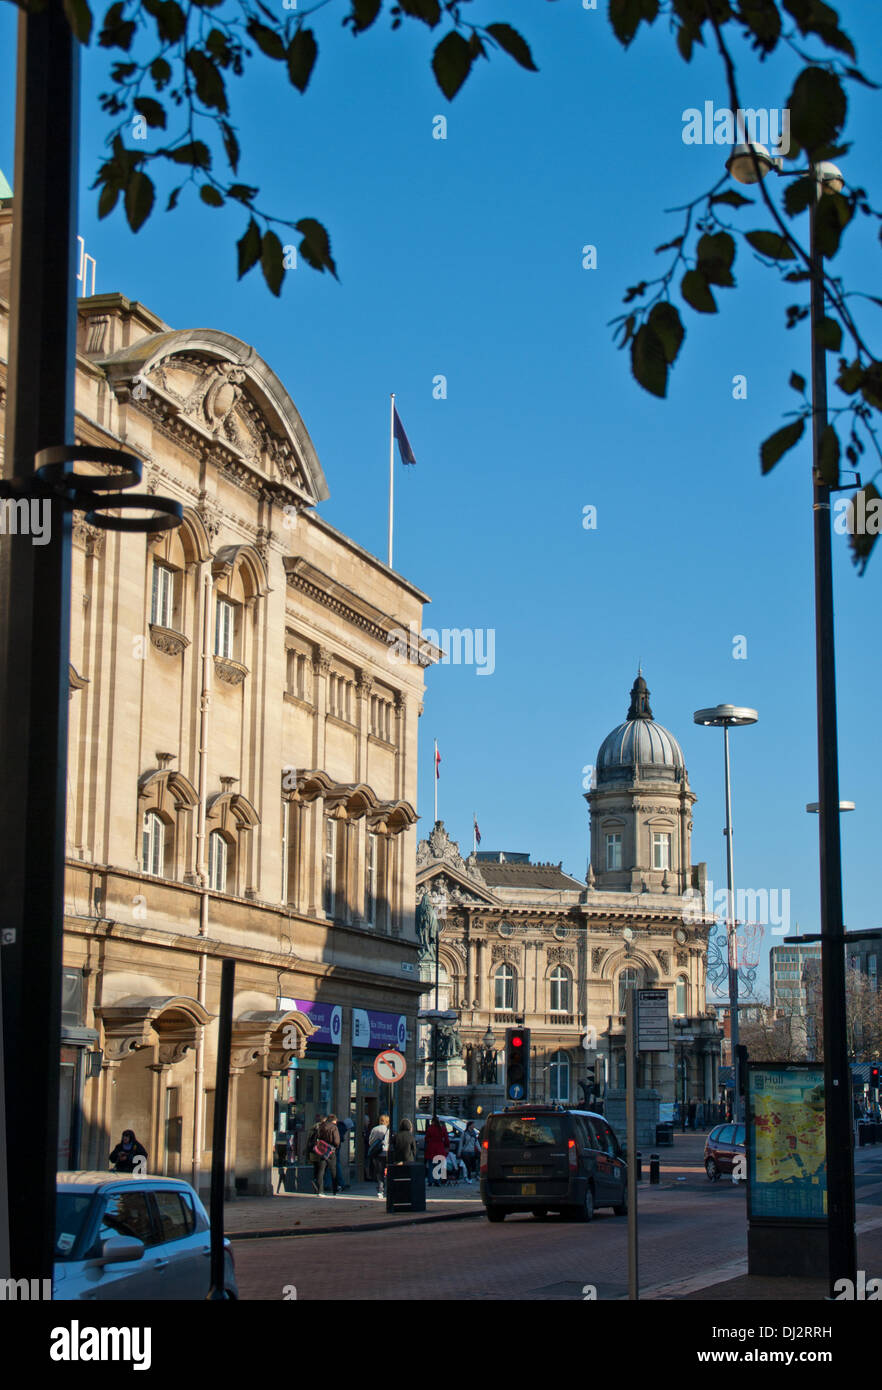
<point x="749" y="163"/>
<point x="842" y="1251"/>
<point x="725" y="717"/>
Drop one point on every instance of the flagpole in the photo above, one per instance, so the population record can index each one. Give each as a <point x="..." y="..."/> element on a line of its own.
<point x="391" y="469"/>
<point x="435" y="777"/>
<point x="474" y="832"/>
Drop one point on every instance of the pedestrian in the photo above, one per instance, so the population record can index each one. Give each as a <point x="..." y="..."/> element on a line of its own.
<point x="693" y="1110"/>
<point x="124" y="1158"/>
<point x="402" y="1148"/>
<point x="378" y="1152"/>
<point x="324" y="1156"/>
<point x="344" y="1126"/>
<point x="437" y="1147"/>
<point x="470" y="1149"/>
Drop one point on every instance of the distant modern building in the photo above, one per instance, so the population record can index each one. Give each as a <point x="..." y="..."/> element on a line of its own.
<point x="786" y="963"/>
<point x="529" y="944"/>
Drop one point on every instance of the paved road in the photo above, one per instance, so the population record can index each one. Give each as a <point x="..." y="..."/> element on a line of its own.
<point x="685" y="1227"/>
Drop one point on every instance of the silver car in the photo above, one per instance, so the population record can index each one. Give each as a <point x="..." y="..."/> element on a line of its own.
<point x="123" y="1236"/>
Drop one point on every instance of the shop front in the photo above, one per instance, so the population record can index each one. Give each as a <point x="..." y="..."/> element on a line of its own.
<point x="372" y="1031"/>
<point x="308" y="1088"/>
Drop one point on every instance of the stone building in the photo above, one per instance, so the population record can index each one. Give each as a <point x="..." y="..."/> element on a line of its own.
<point x="242" y="771"/>
<point x="528" y="944"/>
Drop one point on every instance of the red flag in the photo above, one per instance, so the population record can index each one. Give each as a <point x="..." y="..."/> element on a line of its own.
<point x="437" y="763"/>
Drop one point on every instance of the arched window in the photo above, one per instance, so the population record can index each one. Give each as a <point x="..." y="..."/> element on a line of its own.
<point x="153" y="845"/>
<point x="682" y="986"/>
<point x="504" y="987"/>
<point x="218" y="856"/>
<point x="560" y="990"/>
<point x="559" y="1076"/>
<point x="628" y="979"/>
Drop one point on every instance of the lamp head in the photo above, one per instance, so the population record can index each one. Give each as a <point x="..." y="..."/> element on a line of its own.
<point x="829" y="177"/>
<point x="741" y="162"/>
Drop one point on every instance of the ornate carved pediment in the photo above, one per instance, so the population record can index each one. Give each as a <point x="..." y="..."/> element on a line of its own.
<point x="440" y="846"/>
<point x="597" y="955"/>
<point x="562" y="955"/>
<point x="505" y="950"/>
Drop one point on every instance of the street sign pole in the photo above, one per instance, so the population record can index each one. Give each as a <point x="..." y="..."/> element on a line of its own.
<point x="631" y="1134"/>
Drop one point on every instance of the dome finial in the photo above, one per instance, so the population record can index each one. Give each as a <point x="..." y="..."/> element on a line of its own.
<point x="639" y="707"/>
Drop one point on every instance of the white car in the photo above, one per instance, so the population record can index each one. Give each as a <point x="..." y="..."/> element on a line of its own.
<point x="123" y="1236"/>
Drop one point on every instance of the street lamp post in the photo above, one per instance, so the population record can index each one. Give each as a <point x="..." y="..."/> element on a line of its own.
<point x="726" y="717"/>
<point x="748" y="164"/>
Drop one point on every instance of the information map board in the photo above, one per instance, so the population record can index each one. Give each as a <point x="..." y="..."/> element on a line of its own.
<point x="787" y="1166"/>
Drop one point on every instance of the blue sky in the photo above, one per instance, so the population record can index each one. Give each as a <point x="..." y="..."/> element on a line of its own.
<point x="463" y="258"/>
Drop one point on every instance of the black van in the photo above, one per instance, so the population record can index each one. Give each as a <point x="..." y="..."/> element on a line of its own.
<point x="538" y="1158"/>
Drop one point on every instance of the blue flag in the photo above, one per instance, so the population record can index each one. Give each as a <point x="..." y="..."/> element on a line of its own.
<point x="404" y="449"/>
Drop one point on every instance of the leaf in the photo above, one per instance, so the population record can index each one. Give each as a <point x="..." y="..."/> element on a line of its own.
<point x="272" y="262"/>
<point x="762" y="19"/>
<point x="242" y="192"/>
<point x="140" y="194"/>
<point x="108" y="198"/>
<point x="173" y="198"/>
<point x="451" y="63"/>
<point x="429" y="11"/>
<point x="828" y="456"/>
<point x="511" y="42"/>
<point x="79" y="17"/>
<point x="771" y="244"/>
<point x="850" y="377"/>
<point x="799" y="194"/>
<point x="302" y="53"/>
<point x="665" y="323"/>
<point x="733" y="199"/>
<point x="364" y="12"/>
<point x="797" y="381"/>
<point x="649" y="362"/>
<point x="862" y="537"/>
<point x="210" y="86"/>
<point x="625" y="17"/>
<point x="117" y="32"/>
<point x="715" y="256"/>
<point x="268" y="40"/>
<point x="696" y="291"/>
<point x="829" y="334"/>
<point x="231" y="145"/>
<point x="315" y="248"/>
<point x="152" y="111"/>
<point x="832" y="216"/>
<point x="211" y="195"/>
<point x="871" y="386"/>
<point x="777" y="444"/>
<point x="170" y="19"/>
<point x="817" y="108"/>
<point x="249" y="247"/>
<point x="161" y="73"/>
<point x="195" y="152"/>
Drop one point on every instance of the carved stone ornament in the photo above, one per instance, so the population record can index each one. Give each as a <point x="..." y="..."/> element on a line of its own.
<point x="682" y="957"/>
<point x="440" y="846"/>
<point x="231" y="672"/>
<point x="597" y="955"/>
<point x="664" y="961"/>
<point x="168" y="641"/>
<point x="560" y="955"/>
<point x="505" y="951"/>
<point x="168" y="1053"/>
<point x="74" y="680"/>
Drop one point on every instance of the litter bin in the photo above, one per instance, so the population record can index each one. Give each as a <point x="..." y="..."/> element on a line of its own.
<point x="664" y="1132"/>
<point x="406" y="1187"/>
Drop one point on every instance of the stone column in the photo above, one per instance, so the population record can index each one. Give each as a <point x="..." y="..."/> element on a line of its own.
<point x="156" y="1148"/>
<point x="265" y="1187"/>
<point x="321" y="665"/>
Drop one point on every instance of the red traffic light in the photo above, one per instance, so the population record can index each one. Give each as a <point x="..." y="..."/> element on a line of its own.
<point x="517" y="1042"/>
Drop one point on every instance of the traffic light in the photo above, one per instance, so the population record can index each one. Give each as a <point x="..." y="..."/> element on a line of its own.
<point x="517" y="1063"/>
<point x="874" y="1078"/>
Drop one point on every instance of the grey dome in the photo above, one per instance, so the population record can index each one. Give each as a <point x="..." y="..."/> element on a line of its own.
<point x="639" y="741"/>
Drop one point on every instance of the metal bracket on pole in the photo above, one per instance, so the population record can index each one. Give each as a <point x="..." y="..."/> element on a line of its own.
<point x="631" y="1133"/>
<point x="94" y="493"/>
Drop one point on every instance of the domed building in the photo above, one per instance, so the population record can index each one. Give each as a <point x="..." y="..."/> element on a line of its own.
<point x="528" y="944"/>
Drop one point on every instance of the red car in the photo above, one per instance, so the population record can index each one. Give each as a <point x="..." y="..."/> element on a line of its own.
<point x="723" y="1146"/>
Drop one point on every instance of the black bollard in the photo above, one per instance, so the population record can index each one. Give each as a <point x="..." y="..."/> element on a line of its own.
<point x="639" y="1166"/>
<point x="653" y="1168"/>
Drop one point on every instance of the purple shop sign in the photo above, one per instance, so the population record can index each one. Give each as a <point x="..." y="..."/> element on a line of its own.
<point x="328" y="1018"/>
<point x="373" y="1029"/>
